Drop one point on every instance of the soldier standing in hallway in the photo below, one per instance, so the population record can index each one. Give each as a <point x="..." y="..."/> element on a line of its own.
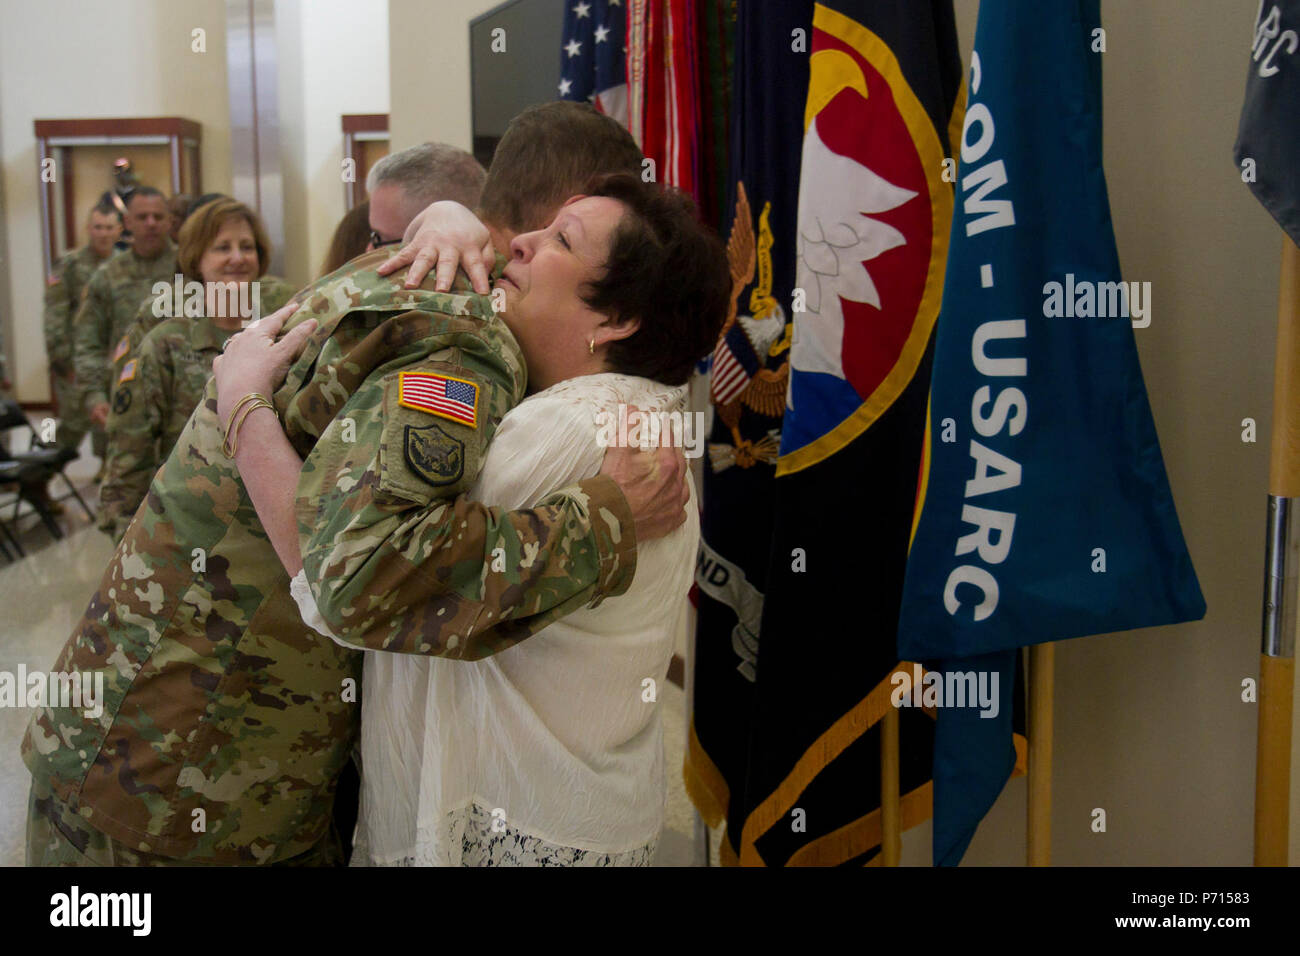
<point x="62" y="302"/>
<point x="114" y="294"/>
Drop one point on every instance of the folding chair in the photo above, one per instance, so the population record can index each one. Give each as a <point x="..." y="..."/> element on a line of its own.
<point x="26" y="474"/>
<point x="40" y="454"/>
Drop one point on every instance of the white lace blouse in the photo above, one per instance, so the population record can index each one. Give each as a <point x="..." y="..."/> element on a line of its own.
<point x="551" y="751"/>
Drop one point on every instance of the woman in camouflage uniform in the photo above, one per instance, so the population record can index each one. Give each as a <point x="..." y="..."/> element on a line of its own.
<point x="157" y="384"/>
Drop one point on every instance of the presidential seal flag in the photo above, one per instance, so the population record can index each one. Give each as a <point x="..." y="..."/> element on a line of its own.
<point x="1044" y="511"/>
<point x="873" y="217"/>
<point x="748" y="384"/>
<point x="1268" y="139"/>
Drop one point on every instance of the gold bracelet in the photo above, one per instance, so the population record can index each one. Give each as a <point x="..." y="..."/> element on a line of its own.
<point x="248" y="403"/>
<point x="230" y="445"/>
<point x="225" y="432"/>
<point x="240" y="404"/>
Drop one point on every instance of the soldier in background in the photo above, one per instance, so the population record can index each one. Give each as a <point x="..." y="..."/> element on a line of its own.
<point x="158" y="384"/>
<point x="145" y="319"/>
<point x="62" y="302"/>
<point x="114" y="293"/>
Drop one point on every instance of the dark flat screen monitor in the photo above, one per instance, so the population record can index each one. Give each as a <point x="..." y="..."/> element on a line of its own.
<point x="527" y="71"/>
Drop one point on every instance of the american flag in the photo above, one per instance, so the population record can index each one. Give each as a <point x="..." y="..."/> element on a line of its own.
<point x="451" y="398"/>
<point x="592" y="59"/>
<point x="734" y="364"/>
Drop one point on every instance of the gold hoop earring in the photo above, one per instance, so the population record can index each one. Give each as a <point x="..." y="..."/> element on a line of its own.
<point x="591" y="346"/>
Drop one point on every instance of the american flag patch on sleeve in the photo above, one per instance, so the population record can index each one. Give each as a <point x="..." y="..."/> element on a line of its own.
<point x="442" y="395"/>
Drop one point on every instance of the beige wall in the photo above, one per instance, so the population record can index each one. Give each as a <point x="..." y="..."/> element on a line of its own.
<point x="1150" y="725"/>
<point x="63" y="59"/>
<point x="429" y="50"/>
<point x="333" y="60"/>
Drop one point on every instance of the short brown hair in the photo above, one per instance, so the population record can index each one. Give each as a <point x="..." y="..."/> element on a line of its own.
<point x="547" y="154"/>
<point x="201" y="229"/>
<point x="665" y="268"/>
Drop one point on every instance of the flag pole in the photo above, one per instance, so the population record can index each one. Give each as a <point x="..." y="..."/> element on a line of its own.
<point x="891" y="833"/>
<point x="1277" y="652"/>
<point x="1042" y="696"/>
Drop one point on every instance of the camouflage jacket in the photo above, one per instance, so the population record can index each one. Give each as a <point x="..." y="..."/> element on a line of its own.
<point x="62" y="301"/>
<point x="111" y="301"/>
<point x="273" y="293"/>
<point x="225" y="719"/>
<point x="157" y="383"/>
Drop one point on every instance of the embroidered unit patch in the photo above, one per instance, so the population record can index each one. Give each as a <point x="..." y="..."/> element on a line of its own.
<point x="433" y="455"/>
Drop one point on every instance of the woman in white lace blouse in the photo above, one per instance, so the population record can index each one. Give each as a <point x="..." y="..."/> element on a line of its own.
<point x="551" y="752"/>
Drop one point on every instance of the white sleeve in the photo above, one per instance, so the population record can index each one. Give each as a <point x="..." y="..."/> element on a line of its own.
<point x="302" y="596"/>
<point x="542" y="445"/>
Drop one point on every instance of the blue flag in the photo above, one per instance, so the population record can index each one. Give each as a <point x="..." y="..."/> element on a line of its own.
<point x="1044" y="511"/>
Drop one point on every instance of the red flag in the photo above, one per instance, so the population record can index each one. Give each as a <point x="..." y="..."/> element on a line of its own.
<point x="662" y="71"/>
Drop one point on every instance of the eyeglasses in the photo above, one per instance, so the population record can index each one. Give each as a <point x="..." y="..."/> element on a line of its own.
<point x="376" y="242"/>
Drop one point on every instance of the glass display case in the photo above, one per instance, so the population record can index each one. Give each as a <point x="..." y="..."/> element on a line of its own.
<point x="76" y="164"/>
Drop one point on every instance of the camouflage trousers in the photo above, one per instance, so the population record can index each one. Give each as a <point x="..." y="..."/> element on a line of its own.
<point x="56" y="836"/>
<point x="74" y="421"/>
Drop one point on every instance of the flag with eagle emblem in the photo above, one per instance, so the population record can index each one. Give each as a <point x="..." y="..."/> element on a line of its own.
<point x="872" y="235"/>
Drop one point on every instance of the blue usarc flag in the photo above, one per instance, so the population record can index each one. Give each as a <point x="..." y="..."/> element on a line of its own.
<point x="1044" y="508"/>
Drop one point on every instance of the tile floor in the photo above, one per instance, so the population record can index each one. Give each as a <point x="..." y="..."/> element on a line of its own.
<point x="43" y="595"/>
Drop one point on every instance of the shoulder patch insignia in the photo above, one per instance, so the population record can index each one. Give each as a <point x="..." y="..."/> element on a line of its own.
<point x="128" y="372"/>
<point x="433" y="455"/>
<point x="122" y="400"/>
<point x="123" y="347"/>
<point x="442" y="395"/>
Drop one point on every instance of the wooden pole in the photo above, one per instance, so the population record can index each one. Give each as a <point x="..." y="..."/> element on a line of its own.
<point x="1277" y="655"/>
<point x="891" y="832"/>
<point x="1042" y="696"/>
